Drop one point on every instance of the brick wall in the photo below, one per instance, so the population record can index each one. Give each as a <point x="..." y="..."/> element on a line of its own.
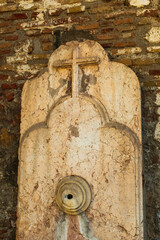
<point x="30" y="30"/>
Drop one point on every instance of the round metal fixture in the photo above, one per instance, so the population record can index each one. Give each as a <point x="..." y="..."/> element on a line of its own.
<point x="73" y="195"/>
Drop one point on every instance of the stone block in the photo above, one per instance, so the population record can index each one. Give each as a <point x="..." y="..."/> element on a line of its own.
<point x="139" y="3"/>
<point x="127" y="35"/>
<point x="153" y="49"/>
<point x="8" y="8"/>
<point x="153" y="36"/>
<point x="119" y="13"/>
<point x="76" y="9"/>
<point x="126" y="51"/>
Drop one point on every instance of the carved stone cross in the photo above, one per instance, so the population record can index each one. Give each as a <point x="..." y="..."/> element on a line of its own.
<point x="74" y="64"/>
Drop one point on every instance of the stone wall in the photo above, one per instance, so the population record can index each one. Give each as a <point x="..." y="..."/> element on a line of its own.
<point x="30" y="30"/>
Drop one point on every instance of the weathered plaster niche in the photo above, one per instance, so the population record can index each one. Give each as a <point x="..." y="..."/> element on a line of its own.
<point x="82" y="117"/>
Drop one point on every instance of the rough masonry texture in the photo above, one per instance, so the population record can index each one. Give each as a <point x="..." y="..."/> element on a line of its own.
<point x="29" y="33"/>
<point x="85" y="121"/>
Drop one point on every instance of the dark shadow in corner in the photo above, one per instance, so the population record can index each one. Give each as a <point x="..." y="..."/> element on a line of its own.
<point x="70" y="35"/>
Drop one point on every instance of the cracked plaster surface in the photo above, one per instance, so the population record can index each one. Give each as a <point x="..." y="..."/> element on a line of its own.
<point x="95" y="133"/>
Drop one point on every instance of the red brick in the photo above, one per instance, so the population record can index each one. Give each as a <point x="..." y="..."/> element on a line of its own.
<point x="19" y="16"/>
<point x="3" y="77"/>
<point x="5" y="86"/>
<point x="47" y="46"/>
<point x="80" y="19"/>
<point x="46" y="40"/>
<point x="56" y="13"/>
<point x="1" y="109"/>
<point x="106" y="45"/>
<point x="47" y="31"/>
<point x="3" y="231"/>
<point x="87" y="27"/>
<point x="106" y="24"/>
<point x="125" y="44"/>
<point x="5" y="24"/>
<point x="59" y="21"/>
<point x="11" y="38"/>
<point x="9" y="86"/>
<point x="106" y="30"/>
<point x="142" y="62"/>
<point x="2" y="237"/>
<point x="10" y="97"/>
<point x="19" y="26"/>
<point x="14" y="86"/>
<point x="5" y="51"/>
<point x="107" y="37"/>
<point x="34" y="15"/>
<point x="125" y="61"/>
<point x="124" y="21"/>
<point x="21" y="85"/>
<point x="154" y="72"/>
<point x="5" y="45"/>
<point x="149" y="13"/>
